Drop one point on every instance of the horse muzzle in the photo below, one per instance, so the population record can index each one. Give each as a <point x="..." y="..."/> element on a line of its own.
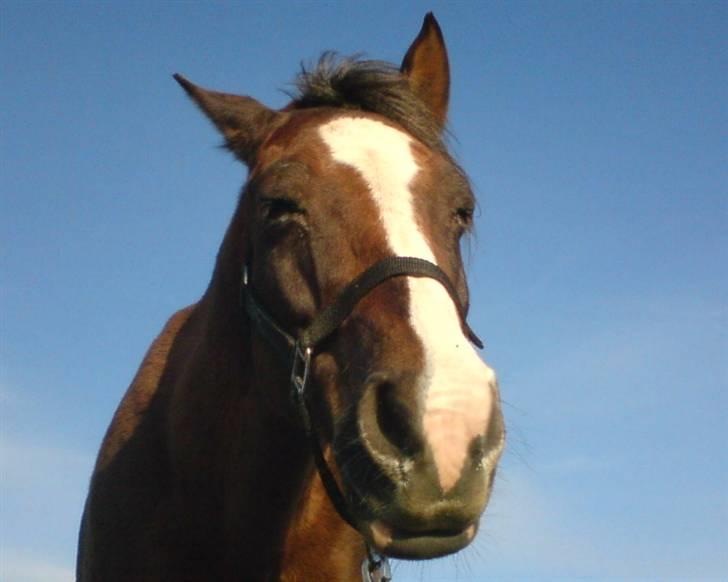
<point x="401" y="506"/>
<point x="415" y="521"/>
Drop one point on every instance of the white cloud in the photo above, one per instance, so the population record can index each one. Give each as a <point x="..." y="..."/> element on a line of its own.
<point x="20" y="566"/>
<point x="41" y="497"/>
<point x="527" y="533"/>
<point x="23" y="464"/>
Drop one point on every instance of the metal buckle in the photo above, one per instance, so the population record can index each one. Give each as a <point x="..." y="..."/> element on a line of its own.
<point x="300" y="369"/>
<point x="375" y="568"/>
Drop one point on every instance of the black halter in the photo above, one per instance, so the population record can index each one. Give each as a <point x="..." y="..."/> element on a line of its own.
<point x="299" y="351"/>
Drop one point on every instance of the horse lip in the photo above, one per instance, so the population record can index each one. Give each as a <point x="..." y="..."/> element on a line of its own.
<point x="419" y="545"/>
<point x="381" y="534"/>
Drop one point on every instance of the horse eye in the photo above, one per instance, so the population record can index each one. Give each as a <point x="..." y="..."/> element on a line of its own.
<point x="276" y="209"/>
<point x="464" y="216"/>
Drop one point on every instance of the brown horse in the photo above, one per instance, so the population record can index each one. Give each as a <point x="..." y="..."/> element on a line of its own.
<point x="341" y="263"/>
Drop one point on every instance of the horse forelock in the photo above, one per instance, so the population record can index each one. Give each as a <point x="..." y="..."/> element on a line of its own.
<point x="367" y="85"/>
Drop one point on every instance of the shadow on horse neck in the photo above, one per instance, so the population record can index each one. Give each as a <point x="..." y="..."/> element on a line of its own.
<point x="322" y="405"/>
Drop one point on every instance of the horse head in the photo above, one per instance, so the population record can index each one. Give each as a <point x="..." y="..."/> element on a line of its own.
<point x="353" y="174"/>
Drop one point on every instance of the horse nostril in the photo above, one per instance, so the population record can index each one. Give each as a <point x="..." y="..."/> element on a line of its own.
<point x="485" y="448"/>
<point x="477" y="448"/>
<point x="396" y="420"/>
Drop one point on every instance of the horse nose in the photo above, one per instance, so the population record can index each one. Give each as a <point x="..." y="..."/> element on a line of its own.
<point x="405" y="440"/>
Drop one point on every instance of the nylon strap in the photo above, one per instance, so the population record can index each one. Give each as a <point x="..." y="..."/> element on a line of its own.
<point x="327" y="478"/>
<point x="332" y="316"/>
<point x="274" y="334"/>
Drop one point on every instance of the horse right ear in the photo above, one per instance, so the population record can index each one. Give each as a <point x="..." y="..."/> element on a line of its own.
<point x="243" y="121"/>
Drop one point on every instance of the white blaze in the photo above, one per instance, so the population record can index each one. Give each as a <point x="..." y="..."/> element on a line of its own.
<point x="456" y="384"/>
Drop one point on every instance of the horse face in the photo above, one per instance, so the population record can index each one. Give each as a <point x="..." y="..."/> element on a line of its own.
<point x="410" y="410"/>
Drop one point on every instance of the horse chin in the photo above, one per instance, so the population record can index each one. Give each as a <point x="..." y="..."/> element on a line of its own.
<point x="417" y="545"/>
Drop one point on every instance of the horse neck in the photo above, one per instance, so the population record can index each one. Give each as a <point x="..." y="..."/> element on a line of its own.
<point x="273" y="498"/>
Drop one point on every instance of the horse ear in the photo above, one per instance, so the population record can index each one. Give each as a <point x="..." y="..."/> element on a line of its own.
<point x="243" y="121"/>
<point x="428" y="70"/>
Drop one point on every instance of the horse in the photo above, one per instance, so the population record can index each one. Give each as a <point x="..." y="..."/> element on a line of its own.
<point x="323" y="406"/>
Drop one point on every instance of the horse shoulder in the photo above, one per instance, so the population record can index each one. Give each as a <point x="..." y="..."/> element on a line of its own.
<point x="143" y="388"/>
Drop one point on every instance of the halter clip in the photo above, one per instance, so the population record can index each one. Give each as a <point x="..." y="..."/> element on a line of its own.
<point x="300" y="369"/>
<point x="375" y="567"/>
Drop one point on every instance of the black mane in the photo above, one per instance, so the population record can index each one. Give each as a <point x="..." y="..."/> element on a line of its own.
<point x="373" y="86"/>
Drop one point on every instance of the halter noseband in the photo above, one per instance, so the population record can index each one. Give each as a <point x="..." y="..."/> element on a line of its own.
<point x="300" y="351"/>
<point x="332" y="316"/>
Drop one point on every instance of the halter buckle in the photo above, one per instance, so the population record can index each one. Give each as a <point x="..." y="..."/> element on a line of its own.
<point x="300" y="369"/>
<point x="375" y="568"/>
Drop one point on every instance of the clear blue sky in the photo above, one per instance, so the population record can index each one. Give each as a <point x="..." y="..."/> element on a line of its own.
<point x="595" y="136"/>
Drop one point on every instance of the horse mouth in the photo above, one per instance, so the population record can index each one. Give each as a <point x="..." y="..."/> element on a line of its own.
<point x="419" y="545"/>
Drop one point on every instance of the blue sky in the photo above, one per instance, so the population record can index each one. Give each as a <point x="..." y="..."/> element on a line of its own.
<point x="595" y="137"/>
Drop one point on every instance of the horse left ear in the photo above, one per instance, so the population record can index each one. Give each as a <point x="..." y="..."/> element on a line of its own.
<point x="243" y="121"/>
<point x="428" y="70"/>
